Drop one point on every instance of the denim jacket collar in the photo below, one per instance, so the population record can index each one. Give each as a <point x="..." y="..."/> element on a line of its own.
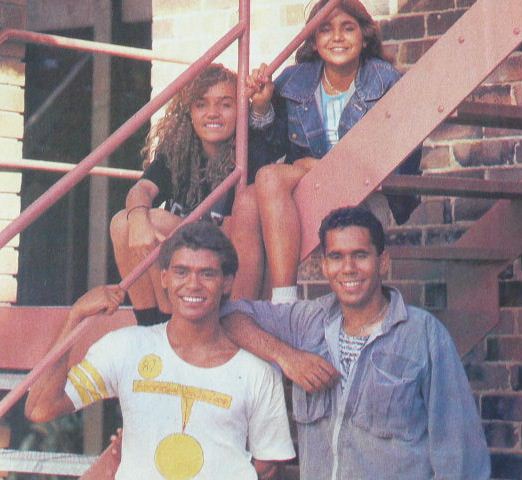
<point x="397" y="312"/>
<point x="303" y="82"/>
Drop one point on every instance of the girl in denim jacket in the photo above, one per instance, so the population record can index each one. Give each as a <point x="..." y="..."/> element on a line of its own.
<point x="340" y="73"/>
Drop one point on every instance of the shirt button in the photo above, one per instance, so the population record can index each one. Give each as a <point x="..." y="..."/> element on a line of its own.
<point x="294" y="136"/>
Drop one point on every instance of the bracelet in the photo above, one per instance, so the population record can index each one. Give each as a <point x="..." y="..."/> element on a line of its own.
<point x="135" y="207"/>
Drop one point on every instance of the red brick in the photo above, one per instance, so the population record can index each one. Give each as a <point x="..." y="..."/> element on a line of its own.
<point x="477" y="354"/>
<point x="466" y="209"/>
<point x="410" y="52"/>
<point x="510" y="70"/>
<point x="391" y="52"/>
<point x="504" y="349"/>
<point x="500" y="132"/>
<point x="451" y="131"/>
<point x="439" y="23"/>
<point x="401" y="236"/>
<point x="492" y="94"/>
<point x="12" y="16"/>
<point x="516" y="377"/>
<point x="435" y="157"/>
<point x="504" y="465"/>
<point x="513" y="174"/>
<point x="486" y="377"/>
<point x="401" y="28"/>
<point x="412" y="292"/>
<point x="491" y="152"/>
<point x="406" y="6"/>
<point x="502" y="407"/>
<point x="501" y="434"/>
<point x="429" y="212"/>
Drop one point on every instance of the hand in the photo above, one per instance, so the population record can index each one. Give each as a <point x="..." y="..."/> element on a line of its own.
<point x="310" y="371"/>
<point x="103" y="299"/>
<point x="142" y="237"/>
<point x="116" y="443"/>
<point x="266" y="469"/>
<point x="306" y="163"/>
<point x="260" y="89"/>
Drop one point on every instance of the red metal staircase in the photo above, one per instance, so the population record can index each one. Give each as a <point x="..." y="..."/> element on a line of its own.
<point x="431" y="92"/>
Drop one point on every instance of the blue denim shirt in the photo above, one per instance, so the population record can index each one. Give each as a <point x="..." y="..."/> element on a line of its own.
<point x="298" y="130"/>
<point x="407" y="412"/>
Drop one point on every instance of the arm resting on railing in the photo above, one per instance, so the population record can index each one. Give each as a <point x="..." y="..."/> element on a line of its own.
<point x="47" y="398"/>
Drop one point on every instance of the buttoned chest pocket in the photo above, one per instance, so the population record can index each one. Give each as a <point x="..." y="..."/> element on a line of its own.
<point x="389" y="403"/>
<point x="296" y="134"/>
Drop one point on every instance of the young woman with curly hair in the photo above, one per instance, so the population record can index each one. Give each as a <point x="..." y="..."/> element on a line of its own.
<point x="192" y="148"/>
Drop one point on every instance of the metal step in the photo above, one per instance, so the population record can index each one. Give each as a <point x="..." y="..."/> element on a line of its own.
<point x="488" y="115"/>
<point x="45" y="463"/>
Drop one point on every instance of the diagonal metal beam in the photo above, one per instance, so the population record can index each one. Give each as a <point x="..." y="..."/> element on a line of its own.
<point x="447" y="73"/>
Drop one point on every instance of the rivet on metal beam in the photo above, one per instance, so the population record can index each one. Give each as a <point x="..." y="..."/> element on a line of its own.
<point x="440" y="108"/>
<point x="387" y="115"/>
<point x="367" y="182"/>
<point x="317" y="186"/>
<point x="461" y="39"/>
<point x="516" y="31"/>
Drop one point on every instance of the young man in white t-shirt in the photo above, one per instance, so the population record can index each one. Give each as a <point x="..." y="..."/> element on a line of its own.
<point x="191" y="400"/>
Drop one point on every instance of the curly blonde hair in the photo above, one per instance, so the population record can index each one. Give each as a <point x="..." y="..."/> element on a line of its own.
<point x="175" y="138"/>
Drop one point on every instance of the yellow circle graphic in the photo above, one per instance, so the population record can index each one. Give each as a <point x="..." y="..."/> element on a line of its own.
<point x="179" y="457"/>
<point x="150" y="366"/>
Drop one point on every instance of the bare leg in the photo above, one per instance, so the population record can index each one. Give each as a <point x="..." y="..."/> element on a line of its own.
<point x="280" y="220"/>
<point x="244" y="230"/>
<point x="146" y="292"/>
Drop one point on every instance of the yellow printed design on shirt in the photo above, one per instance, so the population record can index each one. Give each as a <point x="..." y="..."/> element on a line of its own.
<point x="88" y="383"/>
<point x="178" y="456"/>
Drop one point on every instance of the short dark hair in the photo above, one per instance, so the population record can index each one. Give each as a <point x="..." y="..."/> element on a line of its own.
<point x="353" y="217"/>
<point x="197" y="236"/>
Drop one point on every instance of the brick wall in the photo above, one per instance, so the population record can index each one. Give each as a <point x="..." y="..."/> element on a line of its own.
<point x="409" y="28"/>
<point x="12" y="80"/>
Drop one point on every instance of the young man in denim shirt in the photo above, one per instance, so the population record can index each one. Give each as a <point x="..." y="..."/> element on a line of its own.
<point x="402" y="407"/>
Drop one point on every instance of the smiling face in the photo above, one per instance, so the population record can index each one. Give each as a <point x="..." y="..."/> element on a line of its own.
<point x="214" y="116"/>
<point x="339" y="40"/>
<point x="353" y="268"/>
<point x="195" y="284"/>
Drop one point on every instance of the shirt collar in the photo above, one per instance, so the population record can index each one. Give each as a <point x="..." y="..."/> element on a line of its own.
<point x="397" y="311"/>
<point x="303" y="82"/>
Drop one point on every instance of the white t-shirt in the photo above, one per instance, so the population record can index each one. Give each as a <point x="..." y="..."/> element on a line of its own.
<point x="180" y="421"/>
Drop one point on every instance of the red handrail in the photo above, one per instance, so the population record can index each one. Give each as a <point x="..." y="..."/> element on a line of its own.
<point x="62" y="186"/>
<point x="84" y="45"/>
<point x="10" y="399"/>
<point x="63" y="167"/>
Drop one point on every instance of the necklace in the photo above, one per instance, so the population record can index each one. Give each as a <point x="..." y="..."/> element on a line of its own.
<point x="330" y="86"/>
<point x="366" y="329"/>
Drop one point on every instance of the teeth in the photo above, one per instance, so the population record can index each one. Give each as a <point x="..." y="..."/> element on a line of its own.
<point x="213" y="125"/>
<point x="192" y="299"/>
<point x="352" y="284"/>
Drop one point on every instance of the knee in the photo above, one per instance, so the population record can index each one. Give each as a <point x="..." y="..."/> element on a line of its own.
<point x="269" y="180"/>
<point x="118" y="227"/>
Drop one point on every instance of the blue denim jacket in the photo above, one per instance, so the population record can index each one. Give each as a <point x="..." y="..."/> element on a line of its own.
<point x="298" y="130"/>
<point x="407" y="412"/>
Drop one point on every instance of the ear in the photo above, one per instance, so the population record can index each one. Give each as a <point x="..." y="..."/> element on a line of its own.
<point x="384" y="263"/>
<point x="163" y="278"/>
<point x="323" y="265"/>
<point x="227" y="286"/>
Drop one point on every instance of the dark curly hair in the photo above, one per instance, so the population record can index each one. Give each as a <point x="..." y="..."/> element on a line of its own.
<point x="370" y="29"/>
<point x="200" y="235"/>
<point x="353" y="217"/>
<point x="174" y="137"/>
